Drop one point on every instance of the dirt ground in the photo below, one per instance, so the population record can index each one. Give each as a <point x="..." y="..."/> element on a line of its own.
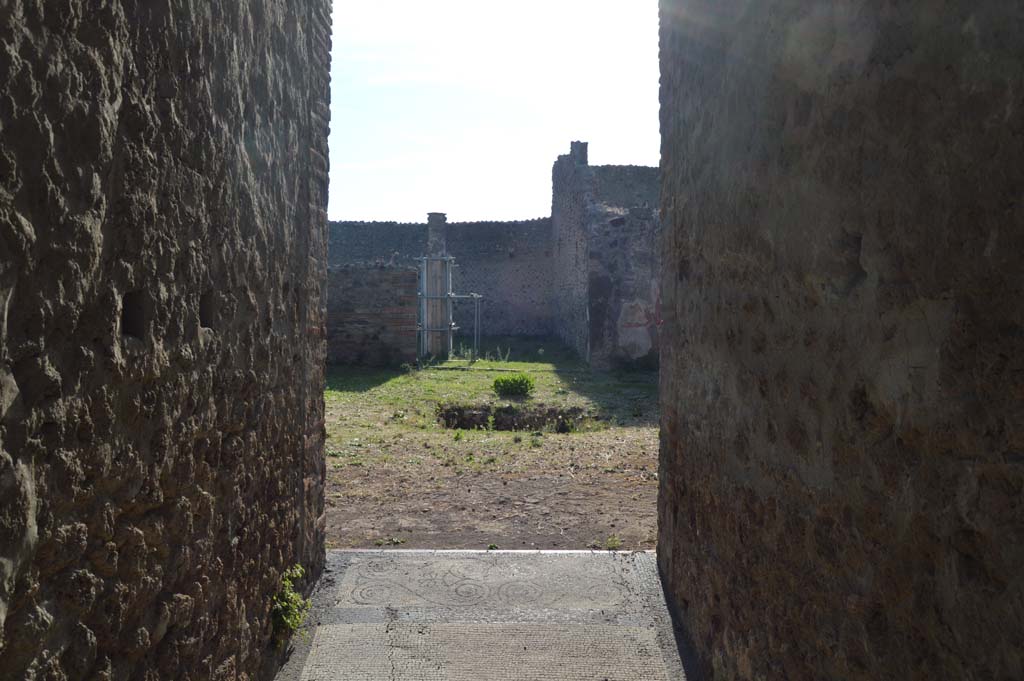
<point x="398" y="478"/>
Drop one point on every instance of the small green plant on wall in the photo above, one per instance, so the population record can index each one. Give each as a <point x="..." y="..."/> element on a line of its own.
<point x="516" y="385"/>
<point x="289" y="609"/>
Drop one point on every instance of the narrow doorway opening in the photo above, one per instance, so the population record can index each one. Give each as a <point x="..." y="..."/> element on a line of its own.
<point x="525" y="417"/>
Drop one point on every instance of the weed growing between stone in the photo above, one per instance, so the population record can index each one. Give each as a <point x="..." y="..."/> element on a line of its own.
<point x="289" y="609"/>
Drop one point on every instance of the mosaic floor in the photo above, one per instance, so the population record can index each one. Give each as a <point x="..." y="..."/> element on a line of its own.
<point x="478" y="616"/>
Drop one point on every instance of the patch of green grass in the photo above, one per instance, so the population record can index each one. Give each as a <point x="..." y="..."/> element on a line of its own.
<point x="379" y="418"/>
<point x="613" y="543"/>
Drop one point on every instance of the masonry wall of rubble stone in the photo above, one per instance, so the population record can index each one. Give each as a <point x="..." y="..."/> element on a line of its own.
<point x="371" y="314"/>
<point x="506" y="262"/>
<point x="606" y="233"/>
<point x="842" y="458"/>
<point x="163" y="189"/>
<point x="398" y="243"/>
<point x="571" y="199"/>
<point x="624" y="267"/>
<point x="588" y="274"/>
<point x="510" y="265"/>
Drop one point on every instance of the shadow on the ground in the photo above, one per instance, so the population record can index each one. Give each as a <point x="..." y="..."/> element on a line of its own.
<point x="355" y="379"/>
<point x="630" y="398"/>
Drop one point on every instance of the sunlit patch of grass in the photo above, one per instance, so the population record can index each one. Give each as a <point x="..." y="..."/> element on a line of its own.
<point x="386" y="420"/>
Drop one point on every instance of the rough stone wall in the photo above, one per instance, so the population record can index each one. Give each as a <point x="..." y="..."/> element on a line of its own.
<point x="371" y="315"/>
<point x="842" y="373"/>
<point x="588" y="274"/>
<point x="506" y="262"/>
<point x="509" y="263"/>
<point x="624" y="267"/>
<point x="571" y="199"/>
<point x="389" y="242"/>
<point x="606" y="272"/>
<point x="162" y="239"/>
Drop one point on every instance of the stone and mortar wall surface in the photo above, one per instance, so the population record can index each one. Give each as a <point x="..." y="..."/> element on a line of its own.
<point x="162" y="240"/>
<point x="606" y="232"/>
<point x="371" y="314"/>
<point x="510" y="265"/>
<point x="624" y="266"/>
<point x="588" y="274"/>
<point x="396" y="243"/>
<point x="571" y="203"/>
<point x="506" y="262"/>
<point x="842" y="459"/>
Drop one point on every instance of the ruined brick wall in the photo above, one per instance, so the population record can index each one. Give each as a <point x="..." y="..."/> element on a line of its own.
<point x="842" y="373"/>
<point x="606" y="233"/>
<point x="371" y="315"/>
<point x="162" y="239"/>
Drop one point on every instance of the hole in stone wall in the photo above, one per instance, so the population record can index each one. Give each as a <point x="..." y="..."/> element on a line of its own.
<point x="133" y="315"/>
<point x="207" y="310"/>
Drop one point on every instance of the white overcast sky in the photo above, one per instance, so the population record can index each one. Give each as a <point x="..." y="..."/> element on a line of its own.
<point x="461" y="106"/>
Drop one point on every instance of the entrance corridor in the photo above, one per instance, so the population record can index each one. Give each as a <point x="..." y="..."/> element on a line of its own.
<point x="412" y="615"/>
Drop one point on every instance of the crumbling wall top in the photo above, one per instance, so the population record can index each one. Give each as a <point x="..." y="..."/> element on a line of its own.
<point x="578" y="153"/>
